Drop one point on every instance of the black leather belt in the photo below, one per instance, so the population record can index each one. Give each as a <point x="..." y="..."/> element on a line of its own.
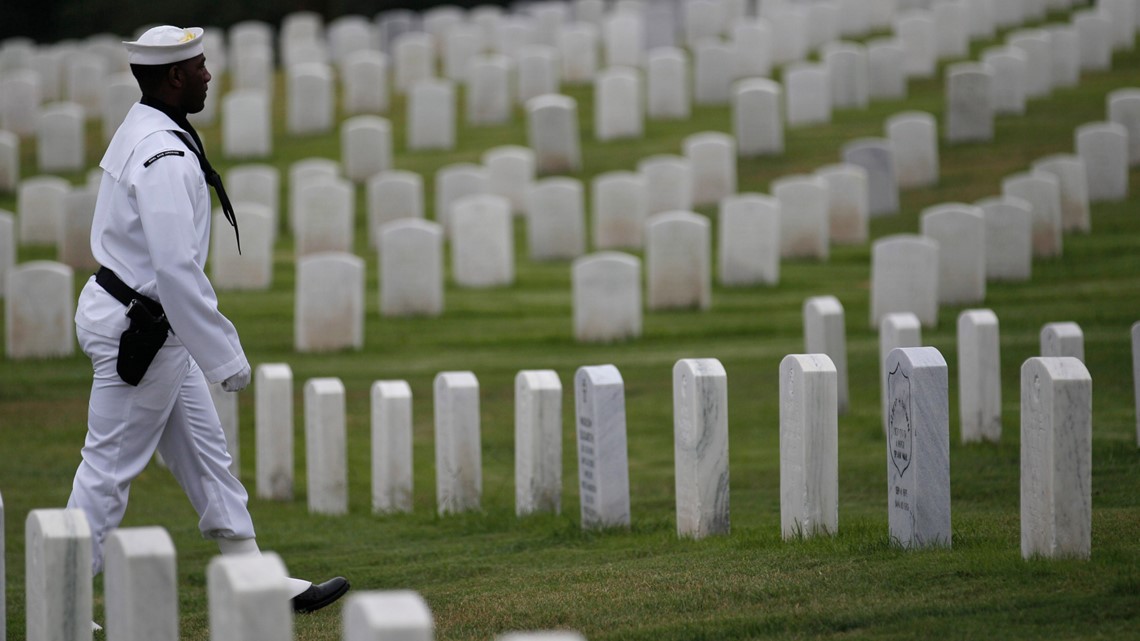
<point x="124" y="294"/>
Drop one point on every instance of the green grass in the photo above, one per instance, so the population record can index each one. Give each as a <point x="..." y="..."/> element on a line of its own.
<point x="489" y="572"/>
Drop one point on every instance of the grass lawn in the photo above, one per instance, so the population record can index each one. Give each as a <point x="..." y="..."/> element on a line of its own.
<point x="489" y="572"/>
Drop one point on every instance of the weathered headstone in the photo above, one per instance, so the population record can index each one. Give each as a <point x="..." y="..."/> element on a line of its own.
<point x="887" y="62"/>
<point x="749" y="247"/>
<point x="141" y="585"/>
<point x="918" y="448"/>
<point x="959" y="230"/>
<point x="578" y="51"/>
<point x="310" y="107"/>
<point x="411" y="268"/>
<point x="258" y="184"/>
<point x="1009" y="68"/>
<point x="804" y="216"/>
<point x="917" y="34"/>
<point x="391" y="420"/>
<point x="325" y="217"/>
<point x="668" y="183"/>
<point x="39" y="311"/>
<point x="904" y="277"/>
<point x="1063" y="339"/>
<point x="807" y="88"/>
<point x="57" y="575"/>
<point x="431" y="115"/>
<point x="969" y="103"/>
<point x="848" y="202"/>
<point x="329" y="305"/>
<point x="713" y="72"/>
<point x="1039" y="60"/>
<point x="397" y="615"/>
<point x="1103" y="146"/>
<point x="607" y="297"/>
<point x="700" y="447"/>
<point x="1056" y="458"/>
<point x="913" y="136"/>
<point x="247" y="124"/>
<point x="538" y="442"/>
<point x="876" y="156"/>
<point x="510" y="174"/>
<point x="825" y="332"/>
<point x="901" y="329"/>
<point x="979" y="376"/>
<point x="273" y="425"/>
<point x="1094" y="35"/>
<point x="603" y="463"/>
<point x="453" y="182"/>
<point x="458" y="458"/>
<point x="1043" y="193"/>
<point x="483" y="248"/>
<point x="325" y="446"/>
<point x="1009" y="238"/>
<point x="365" y="147"/>
<point x="712" y="158"/>
<point x="809" y="447"/>
<point x="248" y="598"/>
<point x="556" y="219"/>
<point x="1069" y="170"/>
<point x="618" y="109"/>
<point x="757" y="120"/>
<point x="677" y="256"/>
<point x="252" y="269"/>
<point x="618" y="210"/>
<point x="60" y="138"/>
<point x="552" y="132"/>
<point x="393" y="195"/>
<point x="41" y="204"/>
<point x="488" y="94"/>
<point x="849" y="72"/>
<point x="365" y="85"/>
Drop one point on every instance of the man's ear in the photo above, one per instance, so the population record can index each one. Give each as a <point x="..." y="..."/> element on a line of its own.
<point x="174" y="76"/>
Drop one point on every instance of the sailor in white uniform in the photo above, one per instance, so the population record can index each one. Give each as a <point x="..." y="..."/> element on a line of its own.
<point x="151" y="232"/>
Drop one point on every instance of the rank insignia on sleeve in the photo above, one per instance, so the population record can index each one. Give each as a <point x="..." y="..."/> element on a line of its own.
<point x="163" y="154"/>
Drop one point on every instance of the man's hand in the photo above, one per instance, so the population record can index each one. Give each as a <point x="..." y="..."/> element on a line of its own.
<point x="238" y="381"/>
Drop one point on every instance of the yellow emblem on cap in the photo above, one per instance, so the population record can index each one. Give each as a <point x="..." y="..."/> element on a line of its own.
<point x="187" y="36"/>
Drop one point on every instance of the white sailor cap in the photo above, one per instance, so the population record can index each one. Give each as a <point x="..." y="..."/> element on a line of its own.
<point x="164" y="45"/>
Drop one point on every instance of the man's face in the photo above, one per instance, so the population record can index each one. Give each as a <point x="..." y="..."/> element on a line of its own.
<point x="195" y="78"/>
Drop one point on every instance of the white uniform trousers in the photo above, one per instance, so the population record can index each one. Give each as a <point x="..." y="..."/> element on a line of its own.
<point x="170" y="410"/>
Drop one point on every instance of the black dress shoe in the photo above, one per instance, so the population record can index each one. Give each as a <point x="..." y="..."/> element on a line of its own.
<point x="318" y="596"/>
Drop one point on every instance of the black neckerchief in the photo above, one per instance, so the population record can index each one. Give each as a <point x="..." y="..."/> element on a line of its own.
<point x="199" y="150"/>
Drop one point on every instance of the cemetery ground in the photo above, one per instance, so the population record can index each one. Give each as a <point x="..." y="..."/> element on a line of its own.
<point x="488" y="572"/>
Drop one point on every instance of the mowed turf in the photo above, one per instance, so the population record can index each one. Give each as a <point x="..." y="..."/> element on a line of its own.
<point x="488" y="572"/>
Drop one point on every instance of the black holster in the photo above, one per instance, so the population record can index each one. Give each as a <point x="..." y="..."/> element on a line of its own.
<point x="140" y="343"/>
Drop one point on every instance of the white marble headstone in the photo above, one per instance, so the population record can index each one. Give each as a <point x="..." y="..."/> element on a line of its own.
<point x="809" y="447"/>
<point x="365" y="84"/>
<point x="1069" y="170"/>
<point x="226" y="405"/>
<point x="757" y="117"/>
<point x="325" y="446"/>
<point x="1009" y="68"/>
<point x="393" y="195"/>
<point x="1065" y="50"/>
<point x="901" y="329"/>
<point x="1063" y="339"/>
<point x="252" y="269"/>
<point x="918" y="448"/>
<point x="1039" y="60"/>
<point x="804" y="216"/>
<point x="482" y="242"/>
<point x="1135" y="377"/>
<point x="603" y="462"/>
<point x="365" y="147"/>
<point x="488" y="94"/>
<point x="1009" y="238"/>
<point x="74" y="240"/>
<point x="247" y="125"/>
<point x="1056" y="458"/>
<point x="618" y="109"/>
<point x="1043" y="193"/>
<point x="825" y="332"/>
<point x="668" y="183"/>
<point x="391" y="420"/>
<point x="713" y="72"/>
<point x="57" y="575"/>
<point x="397" y="615"/>
<point x="458" y="457"/>
<point x="248" y="598"/>
<point x="807" y="88"/>
<point x="618" y="206"/>
<point x="413" y="58"/>
<point x="752" y="48"/>
<point x="887" y="62"/>
<point x="917" y="34"/>
<point x="311" y="104"/>
<point x="411" y="268"/>
<point x="712" y="158"/>
<point x="623" y="38"/>
<point x="1094" y="37"/>
<point x="578" y="50"/>
<point x="552" y="132"/>
<point x="876" y="156"/>
<point x="848" y="203"/>
<point x="510" y="174"/>
<point x="969" y="103"/>
<point x="538" y="69"/>
<point x="556" y="219"/>
<point x="1103" y="146"/>
<point x="456" y="181"/>
<point x="329" y="302"/>
<point x="749" y="240"/>
<point x="904" y="278"/>
<point x="1124" y="109"/>
<point x="303" y="174"/>
<point x="39" y="311"/>
<point x="913" y="136"/>
<point x="538" y="442"/>
<point x="431" y="115"/>
<point x="259" y="184"/>
<point x="979" y="376"/>
<point x="7" y="248"/>
<point x="700" y="447"/>
<point x="273" y="426"/>
<point x="960" y="231"/>
<point x="60" y="138"/>
<point x="9" y="161"/>
<point x="325" y="217"/>
<point x="607" y="297"/>
<point x="140" y="585"/>
<point x="677" y="261"/>
<point x="849" y="73"/>
<point x="41" y="205"/>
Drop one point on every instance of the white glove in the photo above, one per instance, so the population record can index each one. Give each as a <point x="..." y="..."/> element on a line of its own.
<point x="238" y="381"/>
